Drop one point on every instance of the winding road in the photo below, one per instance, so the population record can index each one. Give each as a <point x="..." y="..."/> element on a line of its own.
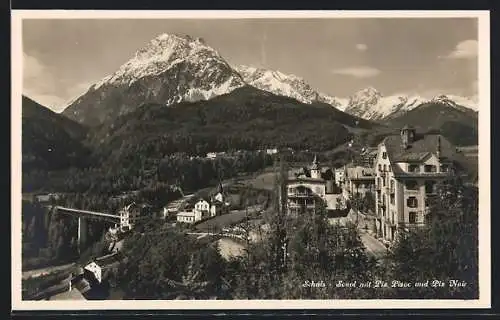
<point x="373" y="246"/>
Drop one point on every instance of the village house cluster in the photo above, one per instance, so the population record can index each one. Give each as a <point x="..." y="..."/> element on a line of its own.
<point x="134" y="213"/>
<point x="203" y="208"/>
<point x="400" y="174"/>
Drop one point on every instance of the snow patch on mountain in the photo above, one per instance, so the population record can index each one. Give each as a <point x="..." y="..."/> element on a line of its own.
<point x="288" y="85"/>
<point x="169" y="69"/>
<point x="458" y="102"/>
<point x="370" y="104"/>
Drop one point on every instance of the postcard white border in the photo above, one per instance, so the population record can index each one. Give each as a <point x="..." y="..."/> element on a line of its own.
<point x="484" y="300"/>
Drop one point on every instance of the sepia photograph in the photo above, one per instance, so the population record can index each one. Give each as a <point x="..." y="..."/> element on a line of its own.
<point x="238" y="159"/>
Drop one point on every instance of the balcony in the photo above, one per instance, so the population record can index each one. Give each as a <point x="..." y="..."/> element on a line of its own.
<point x="300" y="194"/>
<point x="302" y="205"/>
<point x="412" y="191"/>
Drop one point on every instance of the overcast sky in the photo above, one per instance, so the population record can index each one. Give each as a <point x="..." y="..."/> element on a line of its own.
<point x="431" y="56"/>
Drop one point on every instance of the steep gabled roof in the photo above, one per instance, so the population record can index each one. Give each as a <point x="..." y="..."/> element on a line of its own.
<point x="202" y="199"/>
<point x="360" y="173"/>
<point x="422" y="147"/>
<point x="305" y="180"/>
<point x="419" y="148"/>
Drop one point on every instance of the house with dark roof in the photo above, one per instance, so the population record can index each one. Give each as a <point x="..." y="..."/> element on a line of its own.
<point x="358" y="180"/>
<point x="134" y="213"/>
<point x="312" y="186"/>
<point x="408" y="166"/>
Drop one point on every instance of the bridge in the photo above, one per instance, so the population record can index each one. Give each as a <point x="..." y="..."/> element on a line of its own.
<point x="83" y="216"/>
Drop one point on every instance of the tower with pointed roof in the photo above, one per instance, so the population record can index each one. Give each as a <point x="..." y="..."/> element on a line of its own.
<point x="315" y="169"/>
<point x="219" y="196"/>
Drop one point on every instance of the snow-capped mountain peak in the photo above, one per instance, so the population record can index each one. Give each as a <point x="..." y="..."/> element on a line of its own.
<point x="458" y="102"/>
<point x="283" y="84"/>
<point x="370" y="104"/>
<point x="160" y="54"/>
<point x="169" y="69"/>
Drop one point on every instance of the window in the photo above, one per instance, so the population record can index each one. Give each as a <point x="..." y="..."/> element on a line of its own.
<point x="429" y="168"/>
<point x="413" y="168"/>
<point x="411" y="185"/>
<point x="412" y="202"/>
<point x="445" y="168"/>
<point x="392" y="199"/>
<point x="392" y="185"/>
<point x="429" y="186"/>
<point x="428" y="202"/>
<point x="384" y="155"/>
<point x="412" y="217"/>
<point x="389" y="167"/>
<point x="379" y="167"/>
<point x="385" y="168"/>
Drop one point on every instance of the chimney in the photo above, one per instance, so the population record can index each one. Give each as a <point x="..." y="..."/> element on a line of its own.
<point x="407" y="136"/>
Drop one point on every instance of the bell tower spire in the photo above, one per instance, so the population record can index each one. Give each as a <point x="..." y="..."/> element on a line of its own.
<point x="315" y="169"/>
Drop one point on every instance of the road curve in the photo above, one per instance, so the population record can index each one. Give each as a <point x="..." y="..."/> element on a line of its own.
<point x="373" y="246"/>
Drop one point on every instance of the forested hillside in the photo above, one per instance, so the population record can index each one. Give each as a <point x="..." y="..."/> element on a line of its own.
<point x="460" y="126"/>
<point x="50" y="141"/>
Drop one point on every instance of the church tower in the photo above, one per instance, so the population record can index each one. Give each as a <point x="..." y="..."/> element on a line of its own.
<point x="315" y="169"/>
<point x="220" y="193"/>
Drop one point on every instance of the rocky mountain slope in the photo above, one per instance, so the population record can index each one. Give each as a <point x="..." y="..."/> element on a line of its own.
<point x="371" y="104"/>
<point x="287" y="85"/>
<point x="173" y="68"/>
<point x="169" y="69"/>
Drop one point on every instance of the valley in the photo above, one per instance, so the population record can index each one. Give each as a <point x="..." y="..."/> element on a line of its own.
<point x="234" y="182"/>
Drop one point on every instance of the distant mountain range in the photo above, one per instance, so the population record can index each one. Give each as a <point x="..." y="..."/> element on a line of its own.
<point x="458" y="124"/>
<point x="371" y="104"/>
<point x="286" y="85"/>
<point x="179" y="95"/>
<point x="175" y="68"/>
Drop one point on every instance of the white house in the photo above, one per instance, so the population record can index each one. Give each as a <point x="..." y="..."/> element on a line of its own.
<point x="408" y="167"/>
<point x="125" y="220"/>
<point x="211" y="155"/>
<point x="189" y="216"/>
<point x="192" y="214"/>
<point x="134" y="213"/>
<point x="339" y="176"/>
<point x="95" y="269"/>
<point x="202" y="206"/>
